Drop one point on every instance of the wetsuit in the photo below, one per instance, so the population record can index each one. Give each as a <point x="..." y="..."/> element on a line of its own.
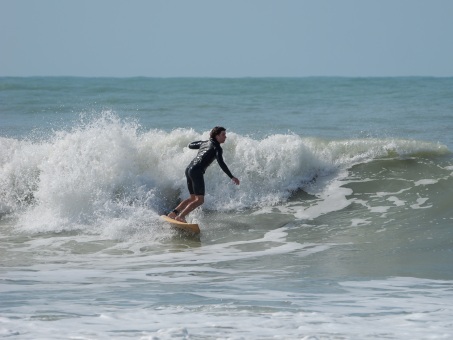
<point x="207" y="152"/>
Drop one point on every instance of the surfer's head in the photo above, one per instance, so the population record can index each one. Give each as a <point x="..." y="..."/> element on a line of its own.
<point x="217" y="133"/>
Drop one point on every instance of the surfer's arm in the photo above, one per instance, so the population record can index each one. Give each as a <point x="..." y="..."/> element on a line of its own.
<point x="222" y="164"/>
<point x="195" y="145"/>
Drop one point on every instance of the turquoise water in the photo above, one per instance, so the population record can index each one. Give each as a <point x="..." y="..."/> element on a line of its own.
<point x="415" y="108"/>
<point x="341" y="227"/>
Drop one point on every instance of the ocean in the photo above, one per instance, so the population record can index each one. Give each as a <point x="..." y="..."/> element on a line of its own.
<point x="341" y="228"/>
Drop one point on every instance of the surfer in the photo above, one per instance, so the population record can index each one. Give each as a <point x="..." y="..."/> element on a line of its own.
<point x="207" y="152"/>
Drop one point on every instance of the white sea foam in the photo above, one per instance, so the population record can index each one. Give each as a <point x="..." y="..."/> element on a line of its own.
<point x="237" y="304"/>
<point x="420" y="203"/>
<point x="426" y="182"/>
<point x="332" y="198"/>
<point x="396" y="201"/>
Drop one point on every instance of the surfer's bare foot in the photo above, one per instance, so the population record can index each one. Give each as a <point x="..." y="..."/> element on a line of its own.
<point x="180" y="219"/>
<point x="172" y="215"/>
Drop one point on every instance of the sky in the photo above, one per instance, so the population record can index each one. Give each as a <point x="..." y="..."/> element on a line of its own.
<point x="226" y="38"/>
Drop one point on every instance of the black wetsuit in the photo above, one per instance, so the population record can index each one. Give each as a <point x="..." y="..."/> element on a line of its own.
<point x="208" y="151"/>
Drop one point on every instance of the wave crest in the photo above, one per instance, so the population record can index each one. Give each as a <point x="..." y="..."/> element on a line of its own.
<point x="108" y="170"/>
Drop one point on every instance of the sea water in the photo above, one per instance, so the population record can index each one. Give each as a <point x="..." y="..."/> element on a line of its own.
<point x="341" y="228"/>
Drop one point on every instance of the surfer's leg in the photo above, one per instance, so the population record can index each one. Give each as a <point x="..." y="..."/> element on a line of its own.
<point x="191" y="206"/>
<point x="181" y="206"/>
<point x="172" y="214"/>
<point x="195" y="184"/>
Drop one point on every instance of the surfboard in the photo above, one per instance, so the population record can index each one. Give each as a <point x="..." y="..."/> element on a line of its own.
<point x="190" y="227"/>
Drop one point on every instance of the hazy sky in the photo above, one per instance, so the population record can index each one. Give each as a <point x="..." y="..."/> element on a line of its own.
<point x="226" y="38"/>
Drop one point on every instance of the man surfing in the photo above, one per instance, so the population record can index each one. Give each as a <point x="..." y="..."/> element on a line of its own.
<point x="207" y="152"/>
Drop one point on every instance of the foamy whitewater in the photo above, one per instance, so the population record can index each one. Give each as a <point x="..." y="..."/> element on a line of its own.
<point x="341" y="228"/>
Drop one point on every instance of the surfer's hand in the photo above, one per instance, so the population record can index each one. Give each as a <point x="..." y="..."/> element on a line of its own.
<point x="235" y="180"/>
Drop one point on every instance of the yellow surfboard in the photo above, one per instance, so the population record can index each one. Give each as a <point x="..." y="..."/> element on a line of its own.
<point x="190" y="227"/>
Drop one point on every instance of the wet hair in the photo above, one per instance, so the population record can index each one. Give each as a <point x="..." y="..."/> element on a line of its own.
<point x="216" y="131"/>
